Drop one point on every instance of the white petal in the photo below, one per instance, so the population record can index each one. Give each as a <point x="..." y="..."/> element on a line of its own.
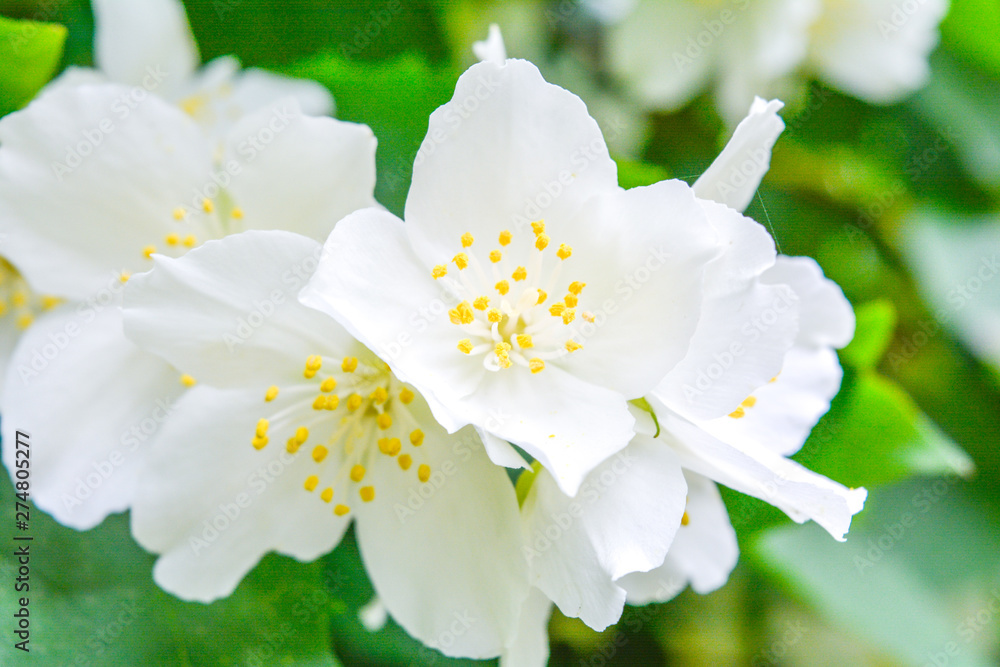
<point x="530" y="646"/>
<point x="703" y="552"/>
<point x="745" y="329"/>
<point x="90" y="400"/>
<point x="501" y="452"/>
<point x="825" y="315"/>
<point x="212" y="505"/>
<point x="733" y="177"/>
<point x="508" y="149"/>
<point x="444" y="555"/>
<point x="228" y="312"/>
<point x="135" y="37"/>
<point x="86" y="183"/>
<point x="256" y="88"/>
<point x="295" y="172"/>
<point x="758" y="472"/>
<point x="876" y="49"/>
<point x="622" y="520"/>
<point x="492" y="48"/>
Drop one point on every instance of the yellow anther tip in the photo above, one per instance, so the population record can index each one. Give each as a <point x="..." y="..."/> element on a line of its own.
<point x="367" y="493"/>
<point x="524" y="341"/>
<point x="380" y="395"/>
<point x="358" y="473"/>
<point x="538" y="227"/>
<point x="467" y="240"/>
<point x="327" y="494"/>
<point x="573" y="346"/>
<point x="207" y="206"/>
<point x="311" y="483"/>
<point x="424" y="472"/>
<point x="349" y="364"/>
<point x="481" y="303"/>
<point x="520" y="273"/>
<point x="406" y="396"/>
<point x="384" y="420"/>
<point x="564" y="251"/>
<point x="542" y="296"/>
<point x="189" y="241"/>
<point x="439" y="271"/>
<point x="568" y="315"/>
<point x="465" y="345"/>
<point x="417" y="437"/>
<point x="148" y="251"/>
<point x="301" y="434"/>
<point x="542" y="241"/>
<point x="328" y="385"/>
<point x="272" y="393"/>
<point x="179" y="213"/>
<point x="495" y="256"/>
<point x="188" y="381"/>
<point x="571" y="300"/>
<point x="749" y="401"/>
<point x="237" y="213"/>
<point x="685" y="519"/>
<point x="576" y="287"/>
<point x="319" y="453"/>
<point x="494" y="315"/>
<point x="405" y="461"/>
<point x="502" y="287"/>
<point x="461" y="260"/>
<point x="536" y="365"/>
<point x="172" y="239"/>
<point x="738" y="413"/>
<point x="505" y="237"/>
<point x="260" y="442"/>
<point x="341" y="510"/>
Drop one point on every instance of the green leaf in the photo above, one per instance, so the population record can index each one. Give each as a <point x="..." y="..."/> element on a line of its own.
<point x="30" y="52"/>
<point x="876" y="322"/>
<point x="962" y="31"/>
<point x="92" y="601"/>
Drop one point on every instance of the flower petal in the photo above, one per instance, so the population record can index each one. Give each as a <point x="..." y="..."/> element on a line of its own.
<point x="86" y="183"/>
<point x="622" y="520"/>
<point x="492" y="48"/>
<point x="212" y="505"/>
<point x="232" y="310"/>
<point x="133" y="39"/>
<point x="825" y="314"/>
<point x="703" y="552"/>
<point x="745" y="329"/>
<point x="444" y="554"/>
<point x="501" y="452"/>
<point x="90" y="400"/>
<point x="758" y="472"/>
<point x="299" y="173"/>
<point x="508" y="149"/>
<point x="732" y="179"/>
<point x="530" y="646"/>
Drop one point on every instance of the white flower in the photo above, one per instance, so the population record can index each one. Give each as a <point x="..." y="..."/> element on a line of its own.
<point x="147" y="44"/>
<point x="527" y="293"/>
<point x="296" y="430"/>
<point x="89" y="191"/>
<point x="671" y="51"/>
<point x="19" y="306"/>
<point x="769" y="328"/>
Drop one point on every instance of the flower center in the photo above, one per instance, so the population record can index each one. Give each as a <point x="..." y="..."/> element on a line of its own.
<point x="206" y="218"/>
<point x="506" y="314"/>
<point x="345" y="416"/>
<point x="18" y="301"/>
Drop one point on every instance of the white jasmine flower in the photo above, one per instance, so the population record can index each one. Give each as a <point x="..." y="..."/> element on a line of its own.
<point x="89" y="192"/>
<point x="297" y="430"/>
<point x="19" y="306"/>
<point x="147" y="44"/>
<point x="671" y="51"/>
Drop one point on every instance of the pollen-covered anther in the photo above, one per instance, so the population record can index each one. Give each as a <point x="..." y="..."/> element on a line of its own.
<point x="358" y="473"/>
<point x="568" y="315"/>
<point x="262" y="426"/>
<point x="571" y="300"/>
<point x="465" y="346"/>
<point x="524" y="341"/>
<point x="189" y="241"/>
<point x="494" y="315"/>
<point x="390" y="446"/>
<point x="588" y="316"/>
<point x="738" y="413"/>
<point x="49" y="302"/>
<point x="312" y="481"/>
<point x="313" y="364"/>
<point x="538" y="227"/>
<point x="259" y="442"/>
<point x="179" y="213"/>
<point x="319" y="403"/>
<point x="327" y="494"/>
<point x="576" y="287"/>
<point x="354" y="402"/>
<point x="124" y="276"/>
<point x="380" y="395"/>
<point x="424" y="472"/>
<point x="328" y="385"/>
<point x="520" y="273"/>
<point x="416" y="437"/>
<point x="292" y="446"/>
<point x="25" y="320"/>
<point x="573" y="346"/>
<point x="749" y="401"/>
<point x="685" y="519"/>
<point x="542" y="296"/>
<point x="502" y="351"/>
<point x="461" y="314"/>
<point x="272" y="393"/>
<point x="505" y="237"/>
<point x="461" y="260"/>
<point x="556" y="309"/>
<point x="301" y="434"/>
<point x="406" y="396"/>
<point x="439" y="271"/>
<point x="542" y="241"/>
<point x="188" y="381"/>
<point x="349" y="364"/>
<point x="237" y="213"/>
<point x="148" y="251"/>
<point x="467" y="239"/>
<point x="405" y="461"/>
<point x="495" y="256"/>
<point x="481" y="303"/>
<point x="502" y="287"/>
<point x="207" y="206"/>
<point x="384" y="421"/>
<point x="536" y="365"/>
<point x="341" y="510"/>
<point x="367" y="493"/>
<point x="319" y="453"/>
<point x="172" y="239"/>
<point x="564" y="251"/>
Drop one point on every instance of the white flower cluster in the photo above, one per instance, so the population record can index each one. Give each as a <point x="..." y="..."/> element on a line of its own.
<point x="248" y="353"/>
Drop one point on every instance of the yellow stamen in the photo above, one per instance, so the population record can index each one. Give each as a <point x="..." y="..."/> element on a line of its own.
<point x="465" y="345"/>
<point x="568" y="315"/>
<point x="349" y="364"/>
<point x="571" y="300"/>
<point x="461" y="314"/>
<point x="124" y="276"/>
<point x="313" y="364"/>
<point x="272" y="393"/>
<point x="179" y="213"/>
<point x="292" y="447"/>
<point x="572" y="346"/>
<point x="576" y="287"/>
<point x="685" y="519"/>
<point x="542" y="296"/>
<point x="556" y="309"/>
<point x="538" y="227"/>
<point x="188" y="381"/>
<point x="380" y="395"/>
<point x="467" y="240"/>
<point x="237" y="213"/>
<point x="25" y="320"/>
<point x="495" y="256"/>
<point x="327" y="494"/>
<point x="207" y="206"/>
<point x="749" y="401"/>
<point x="405" y="461"/>
<point x="328" y="385"/>
<point x="357" y="473"/>
<point x="417" y="437"/>
<point x="503" y="287"/>
<point x="319" y="453"/>
<point x="494" y="315"/>
<point x="542" y="241"/>
<point x="319" y="402"/>
<point x="524" y="341"/>
<point x="148" y="251"/>
<point x="536" y="365"/>
<point x="461" y="260"/>
<point x="312" y="481"/>
<point x="389" y="446"/>
<point x="503" y="358"/>
<point x="354" y="402"/>
<point x="564" y="251"/>
<point x="405" y="396"/>
<point x="439" y="271"/>
<point x="520" y="273"/>
<point x="738" y="413"/>
<point x="172" y="239"/>
<point x="331" y="402"/>
<point x="341" y="510"/>
<point x="588" y="316"/>
<point x="259" y="442"/>
<point x="481" y="303"/>
<point x="424" y="472"/>
<point x="262" y="426"/>
<point x="367" y="493"/>
<point x="301" y="434"/>
<point x="505" y="237"/>
<point x="189" y="241"/>
<point x="384" y="420"/>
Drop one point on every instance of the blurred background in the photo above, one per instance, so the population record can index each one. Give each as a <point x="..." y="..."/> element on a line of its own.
<point x="888" y="174"/>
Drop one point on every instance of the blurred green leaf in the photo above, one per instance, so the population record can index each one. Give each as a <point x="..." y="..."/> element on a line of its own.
<point x="633" y="174"/>
<point x="30" y="53"/>
<point x="967" y="30"/>
<point x="876" y="322"/>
